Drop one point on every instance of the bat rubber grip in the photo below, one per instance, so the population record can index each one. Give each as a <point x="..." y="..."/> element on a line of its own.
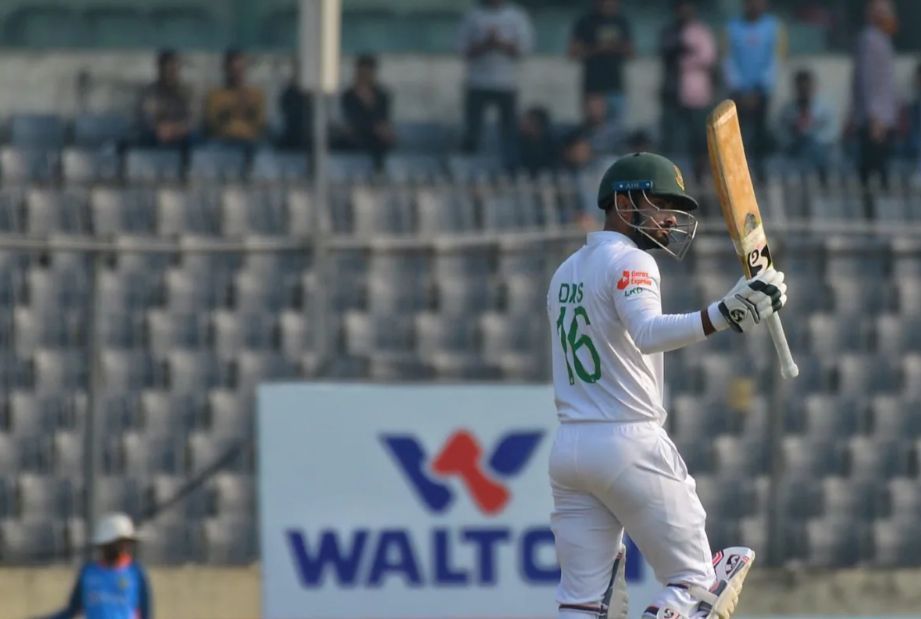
<point x="788" y="367"/>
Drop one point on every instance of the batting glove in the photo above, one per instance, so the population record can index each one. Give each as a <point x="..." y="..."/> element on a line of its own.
<point x="750" y="302"/>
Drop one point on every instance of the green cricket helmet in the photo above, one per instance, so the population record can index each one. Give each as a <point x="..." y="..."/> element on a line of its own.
<point x="643" y="175"/>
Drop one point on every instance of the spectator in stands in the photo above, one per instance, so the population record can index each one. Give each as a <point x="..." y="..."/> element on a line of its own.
<point x="165" y="107"/>
<point x="598" y="135"/>
<point x="874" y="105"/>
<point x="235" y="112"/>
<point x="493" y="37"/>
<point x="807" y="126"/>
<point x="539" y="151"/>
<point x="296" y="108"/>
<point x="689" y="55"/>
<point x="601" y="39"/>
<point x="755" y="43"/>
<point x="115" y="585"/>
<point x="913" y="120"/>
<point x="366" y="110"/>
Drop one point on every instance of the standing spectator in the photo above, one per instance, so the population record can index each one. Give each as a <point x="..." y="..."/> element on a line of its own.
<point x="602" y="41"/>
<point x="596" y="136"/>
<point x="366" y="109"/>
<point x="807" y="126"/>
<point x="492" y="38"/>
<point x="539" y="151"/>
<point x="165" y="106"/>
<point x="296" y="107"/>
<point x="913" y="120"/>
<point x="114" y="587"/>
<point x="874" y="103"/>
<point x="689" y="56"/>
<point x="755" y="42"/>
<point x="235" y="112"/>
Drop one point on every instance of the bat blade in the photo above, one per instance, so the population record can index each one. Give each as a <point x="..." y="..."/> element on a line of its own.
<point x="740" y="210"/>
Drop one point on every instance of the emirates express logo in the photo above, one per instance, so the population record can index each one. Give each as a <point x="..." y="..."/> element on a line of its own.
<point x="634" y="278"/>
<point x="461" y="456"/>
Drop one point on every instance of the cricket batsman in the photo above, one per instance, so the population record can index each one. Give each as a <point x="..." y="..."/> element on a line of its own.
<point x="613" y="467"/>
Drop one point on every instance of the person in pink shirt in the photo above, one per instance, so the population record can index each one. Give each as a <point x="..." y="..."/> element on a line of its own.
<point x="689" y="55"/>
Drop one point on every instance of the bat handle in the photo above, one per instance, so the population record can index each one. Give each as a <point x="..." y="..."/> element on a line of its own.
<point x="788" y="367"/>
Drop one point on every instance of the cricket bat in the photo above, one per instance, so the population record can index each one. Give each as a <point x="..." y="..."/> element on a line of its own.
<point x="740" y="210"/>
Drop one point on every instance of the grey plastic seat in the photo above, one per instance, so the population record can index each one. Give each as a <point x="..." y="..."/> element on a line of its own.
<point x="191" y="371"/>
<point x="217" y="164"/>
<point x="230" y="541"/>
<point x="188" y="211"/>
<point x="911" y="376"/>
<point x="164" y="488"/>
<point x="858" y="498"/>
<point x="235" y="331"/>
<point x="380" y="335"/>
<point x="805" y="456"/>
<point x="295" y="334"/>
<point x="28" y="417"/>
<point x="830" y="416"/>
<point x="43" y="495"/>
<point x="253" y="368"/>
<point x="98" y="130"/>
<point x="230" y="413"/>
<point x="381" y="210"/>
<point x="859" y="374"/>
<point x="740" y="456"/>
<point x="169" y="543"/>
<point x="829" y="335"/>
<point x="124" y="370"/>
<point x="115" y="210"/>
<point x="270" y="166"/>
<point x="117" y="493"/>
<point x="299" y="212"/>
<point x="896" y="334"/>
<point x="515" y="346"/>
<point x="406" y="168"/>
<point x="872" y="459"/>
<point x="37" y="130"/>
<point x="465" y="168"/>
<point x="255" y="294"/>
<point x="524" y="295"/>
<point x="249" y="210"/>
<point x="35" y="541"/>
<point x="19" y="165"/>
<point x="349" y="168"/>
<point x="153" y="166"/>
<point x="832" y="541"/>
<point x="169" y="415"/>
<point x="167" y="331"/>
<point x="897" y="542"/>
<point x="59" y="371"/>
<point x="894" y="417"/>
<point x="47" y="327"/>
<point x="854" y="297"/>
<point x="188" y="294"/>
<point x="89" y="165"/>
<point x="49" y="211"/>
<point x="448" y="344"/>
<point x="205" y="448"/>
<point x="444" y="208"/>
<point x="143" y="457"/>
<point x="67" y="454"/>
<point x="904" y="497"/>
<point x="235" y="495"/>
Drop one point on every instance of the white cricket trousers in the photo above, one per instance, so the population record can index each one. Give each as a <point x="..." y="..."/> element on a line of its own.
<point x="608" y="477"/>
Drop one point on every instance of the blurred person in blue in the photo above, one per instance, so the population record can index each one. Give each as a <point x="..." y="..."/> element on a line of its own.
<point x="493" y="37"/>
<point x="366" y="111"/>
<point x="807" y="126"/>
<point x="114" y="586"/>
<point x="754" y="44"/>
<point x="165" y="106"/>
<point x="603" y="42"/>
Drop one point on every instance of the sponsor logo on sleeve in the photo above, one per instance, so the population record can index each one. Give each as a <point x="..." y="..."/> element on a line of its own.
<point x="634" y="282"/>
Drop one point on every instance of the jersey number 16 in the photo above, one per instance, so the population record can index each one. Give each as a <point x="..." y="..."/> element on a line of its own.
<point x="572" y="341"/>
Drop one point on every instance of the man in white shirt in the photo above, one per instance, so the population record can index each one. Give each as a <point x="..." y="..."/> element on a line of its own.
<point x="492" y="39"/>
<point x="613" y="466"/>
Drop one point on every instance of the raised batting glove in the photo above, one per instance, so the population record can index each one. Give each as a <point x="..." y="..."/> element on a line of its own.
<point x="750" y="302"/>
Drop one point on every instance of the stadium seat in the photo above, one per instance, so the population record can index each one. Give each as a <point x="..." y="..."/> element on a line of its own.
<point x="741" y="456"/>
<point x="897" y="542"/>
<point x="50" y="211"/>
<point x="168" y="415"/>
<point x="295" y="333"/>
<point x="37" y="541"/>
<point x="833" y="541"/>
<point x="128" y="370"/>
<point x="153" y="166"/>
<point x="444" y="209"/>
<point x="413" y="168"/>
<point x="28" y="416"/>
<point x="230" y="413"/>
<point x="42" y="495"/>
<point x="193" y="211"/>
<point x="116" y="210"/>
<point x="192" y="371"/>
<point x="858" y="498"/>
<point x="37" y="131"/>
<point x="379" y="211"/>
<point x="59" y="371"/>
<point x="162" y="492"/>
<point x="101" y="130"/>
<point x="804" y="456"/>
<point x="868" y="458"/>
<point x="167" y="331"/>
<point x="67" y="459"/>
<point x="829" y="416"/>
<point x="247" y="211"/>
<point x="464" y="168"/>
<point x="300" y="213"/>
<point x="216" y="164"/>
<point x="21" y="165"/>
<point x="142" y="457"/>
<point x="349" y="168"/>
<point x="904" y="497"/>
<point x="118" y="493"/>
<point x="238" y="331"/>
<point x="83" y="166"/>
<point x="447" y="343"/>
<point x="893" y="417"/>
<point x="235" y="495"/>
<point x="509" y="344"/>
<point x="253" y="294"/>
<point x="205" y="449"/>
<point x="230" y="541"/>
<point x="169" y="543"/>
<point x="271" y="166"/>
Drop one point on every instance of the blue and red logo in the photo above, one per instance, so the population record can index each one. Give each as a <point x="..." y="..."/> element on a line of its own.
<point x="462" y="456"/>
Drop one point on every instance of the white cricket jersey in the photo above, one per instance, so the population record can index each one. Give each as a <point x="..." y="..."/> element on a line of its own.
<point x="609" y="333"/>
